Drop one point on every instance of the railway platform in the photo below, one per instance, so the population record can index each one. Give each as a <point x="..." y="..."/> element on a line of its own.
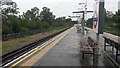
<point x="65" y="51"/>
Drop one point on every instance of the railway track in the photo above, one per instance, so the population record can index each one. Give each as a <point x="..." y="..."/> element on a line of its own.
<point x="7" y="58"/>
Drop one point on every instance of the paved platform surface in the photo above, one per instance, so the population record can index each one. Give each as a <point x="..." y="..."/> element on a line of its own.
<point x="67" y="53"/>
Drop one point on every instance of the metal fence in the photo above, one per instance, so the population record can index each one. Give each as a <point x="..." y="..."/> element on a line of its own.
<point x="19" y="35"/>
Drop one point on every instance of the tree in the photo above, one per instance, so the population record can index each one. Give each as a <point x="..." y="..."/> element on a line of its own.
<point x="7" y="17"/>
<point x="89" y="23"/>
<point x="15" y="23"/>
<point x="31" y="18"/>
<point x="11" y="9"/>
<point x="46" y="15"/>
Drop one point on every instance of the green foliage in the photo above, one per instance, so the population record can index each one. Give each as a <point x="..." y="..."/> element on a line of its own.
<point x="15" y="24"/>
<point x="111" y="22"/>
<point x="89" y="23"/>
<point x="30" y="20"/>
<point x="46" y="15"/>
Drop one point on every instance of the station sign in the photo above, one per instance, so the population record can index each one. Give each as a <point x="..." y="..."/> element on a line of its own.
<point x="96" y="16"/>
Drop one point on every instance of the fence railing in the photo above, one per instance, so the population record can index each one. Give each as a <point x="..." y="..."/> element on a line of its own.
<point x="19" y="35"/>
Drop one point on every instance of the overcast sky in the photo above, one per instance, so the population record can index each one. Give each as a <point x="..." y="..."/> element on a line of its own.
<point x="63" y="7"/>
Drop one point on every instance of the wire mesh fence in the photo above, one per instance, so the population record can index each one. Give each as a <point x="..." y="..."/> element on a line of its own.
<point x="19" y="35"/>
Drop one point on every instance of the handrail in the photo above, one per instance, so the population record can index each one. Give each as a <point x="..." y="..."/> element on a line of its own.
<point x="108" y="35"/>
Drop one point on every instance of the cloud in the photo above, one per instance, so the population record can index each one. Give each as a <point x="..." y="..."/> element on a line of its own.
<point x="62" y="7"/>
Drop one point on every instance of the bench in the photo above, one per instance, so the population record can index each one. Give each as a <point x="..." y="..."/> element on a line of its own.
<point x="89" y="47"/>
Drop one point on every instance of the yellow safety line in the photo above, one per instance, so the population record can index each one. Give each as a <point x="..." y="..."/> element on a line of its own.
<point x="36" y="50"/>
<point x="26" y="56"/>
<point x="23" y="59"/>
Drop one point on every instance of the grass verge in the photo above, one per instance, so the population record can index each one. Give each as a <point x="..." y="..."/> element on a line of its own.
<point x="14" y="44"/>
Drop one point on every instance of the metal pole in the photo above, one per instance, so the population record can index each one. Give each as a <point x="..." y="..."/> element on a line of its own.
<point x="85" y="17"/>
<point x="100" y="24"/>
<point x="83" y="23"/>
<point x="101" y="17"/>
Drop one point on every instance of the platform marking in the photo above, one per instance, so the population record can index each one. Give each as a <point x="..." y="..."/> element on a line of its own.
<point x="54" y="41"/>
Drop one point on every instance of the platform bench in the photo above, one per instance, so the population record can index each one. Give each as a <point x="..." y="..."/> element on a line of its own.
<point x="89" y="48"/>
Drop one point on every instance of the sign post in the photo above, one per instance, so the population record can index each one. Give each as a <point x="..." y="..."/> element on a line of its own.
<point x="96" y="16"/>
<point x="98" y="20"/>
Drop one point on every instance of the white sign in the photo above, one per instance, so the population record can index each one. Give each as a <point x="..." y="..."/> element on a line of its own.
<point x="96" y="16"/>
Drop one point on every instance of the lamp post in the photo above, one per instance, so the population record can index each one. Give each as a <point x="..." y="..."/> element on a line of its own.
<point x="83" y="18"/>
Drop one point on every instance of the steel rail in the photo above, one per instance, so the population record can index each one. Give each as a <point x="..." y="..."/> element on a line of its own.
<point x="6" y="58"/>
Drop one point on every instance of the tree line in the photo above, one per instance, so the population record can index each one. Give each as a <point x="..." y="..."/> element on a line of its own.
<point x="111" y="22"/>
<point x="31" y="20"/>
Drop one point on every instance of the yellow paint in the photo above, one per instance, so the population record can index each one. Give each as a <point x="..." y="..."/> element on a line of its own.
<point x="53" y="42"/>
<point x="23" y="59"/>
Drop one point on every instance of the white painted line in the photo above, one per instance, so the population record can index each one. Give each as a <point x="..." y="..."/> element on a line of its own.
<point x="25" y="54"/>
<point x="41" y="46"/>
